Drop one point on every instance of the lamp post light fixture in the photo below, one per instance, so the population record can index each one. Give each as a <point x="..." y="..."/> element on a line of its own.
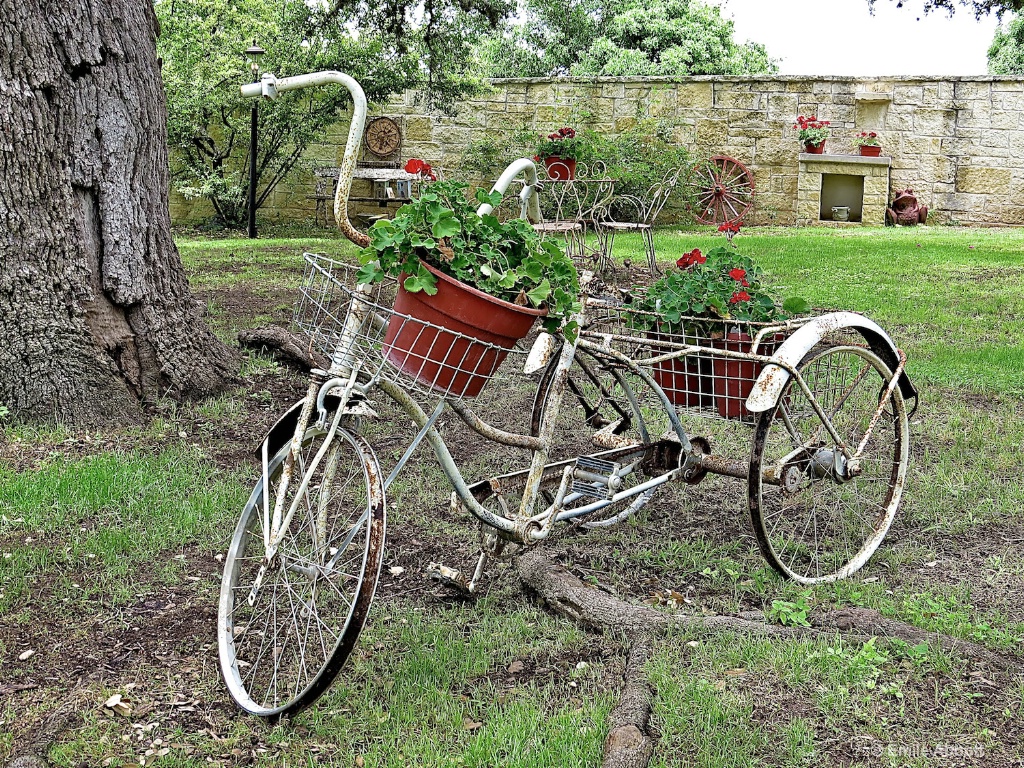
<point x="253" y="53"/>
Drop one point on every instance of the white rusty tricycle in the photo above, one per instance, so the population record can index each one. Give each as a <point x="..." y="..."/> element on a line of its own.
<point x="602" y="431"/>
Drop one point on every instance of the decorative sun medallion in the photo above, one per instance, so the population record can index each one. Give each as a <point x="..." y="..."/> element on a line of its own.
<point x="383" y="137"/>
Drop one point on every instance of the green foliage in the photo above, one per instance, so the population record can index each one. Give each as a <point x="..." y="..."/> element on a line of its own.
<point x="638" y="158"/>
<point x="978" y="7"/>
<point x="503" y="259"/>
<point x="1006" y="54"/>
<point x="791" y="614"/>
<point x="562" y="143"/>
<point x="721" y="285"/>
<point x="862" y="667"/>
<point x="620" y="38"/>
<point x="201" y="46"/>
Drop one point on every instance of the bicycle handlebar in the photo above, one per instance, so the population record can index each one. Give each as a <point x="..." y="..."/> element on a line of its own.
<point x="270" y="87"/>
<point x="530" y="209"/>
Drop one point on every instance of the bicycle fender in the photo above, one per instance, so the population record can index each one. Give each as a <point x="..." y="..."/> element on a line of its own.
<point x="769" y="385"/>
<point x="284" y="429"/>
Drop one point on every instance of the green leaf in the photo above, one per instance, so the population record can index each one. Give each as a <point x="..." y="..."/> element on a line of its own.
<point x="795" y="305"/>
<point x="539" y="294"/>
<point x="446" y="227"/>
<point x="370" y="272"/>
<point x="421" y="281"/>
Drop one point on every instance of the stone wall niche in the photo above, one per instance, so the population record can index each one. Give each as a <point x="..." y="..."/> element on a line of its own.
<point x="862" y="183"/>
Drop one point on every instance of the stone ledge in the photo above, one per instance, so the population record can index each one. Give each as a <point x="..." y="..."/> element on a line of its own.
<point x="808" y="157"/>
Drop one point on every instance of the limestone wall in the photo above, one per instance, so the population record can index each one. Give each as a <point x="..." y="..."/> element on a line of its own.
<point x="958" y="142"/>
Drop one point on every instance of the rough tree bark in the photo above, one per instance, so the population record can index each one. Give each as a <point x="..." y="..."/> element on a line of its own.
<point x="95" y="308"/>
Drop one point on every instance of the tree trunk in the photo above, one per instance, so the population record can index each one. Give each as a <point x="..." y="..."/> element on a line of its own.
<point x="96" y="311"/>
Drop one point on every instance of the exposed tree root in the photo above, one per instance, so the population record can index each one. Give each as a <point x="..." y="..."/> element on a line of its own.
<point x="285" y="346"/>
<point x="630" y="741"/>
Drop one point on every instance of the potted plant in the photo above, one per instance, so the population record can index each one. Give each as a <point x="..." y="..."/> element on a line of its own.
<point x="469" y="286"/>
<point x="712" y="300"/>
<point x="812" y="132"/>
<point x="868" y="143"/>
<point x="559" y="151"/>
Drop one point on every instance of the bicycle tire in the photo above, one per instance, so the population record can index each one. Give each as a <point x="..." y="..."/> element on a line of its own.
<point x="311" y="629"/>
<point x="820" y="525"/>
<point x="600" y="395"/>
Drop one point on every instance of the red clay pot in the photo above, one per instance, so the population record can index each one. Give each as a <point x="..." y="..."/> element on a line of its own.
<point x="560" y="168"/>
<point x="686" y="380"/>
<point x="815" y="149"/>
<point x="869" y="151"/>
<point x="440" y="357"/>
<point x="734" y="378"/>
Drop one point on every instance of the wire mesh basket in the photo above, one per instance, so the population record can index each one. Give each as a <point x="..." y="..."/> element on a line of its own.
<point x="706" y="369"/>
<point x="360" y="326"/>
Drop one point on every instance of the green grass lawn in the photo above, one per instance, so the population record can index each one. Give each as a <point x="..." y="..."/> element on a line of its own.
<point x="109" y="572"/>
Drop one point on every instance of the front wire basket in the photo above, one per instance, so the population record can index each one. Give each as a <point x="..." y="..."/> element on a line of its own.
<point x="348" y="326"/>
<point x="704" y="381"/>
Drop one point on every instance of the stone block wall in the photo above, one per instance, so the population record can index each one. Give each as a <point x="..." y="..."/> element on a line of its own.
<point x="958" y="142"/>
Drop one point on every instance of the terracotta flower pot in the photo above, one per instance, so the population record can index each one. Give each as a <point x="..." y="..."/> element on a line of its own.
<point x="560" y="168"/>
<point x="686" y="380"/>
<point x="464" y="352"/>
<point x="815" y="149"/>
<point x="869" y="151"/>
<point x="734" y="378"/>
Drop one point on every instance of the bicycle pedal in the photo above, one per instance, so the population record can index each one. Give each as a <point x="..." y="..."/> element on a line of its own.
<point x="596" y="478"/>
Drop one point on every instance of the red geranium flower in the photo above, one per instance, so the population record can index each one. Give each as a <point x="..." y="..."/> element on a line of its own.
<point x="415" y="165"/>
<point x="691" y="259"/>
<point x="739" y="296"/>
<point x="737" y="274"/>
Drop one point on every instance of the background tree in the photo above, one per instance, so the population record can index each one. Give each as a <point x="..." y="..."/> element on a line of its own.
<point x="978" y="7"/>
<point x="201" y="46"/>
<point x="620" y="37"/>
<point x="1006" y="54"/>
<point x="95" y="307"/>
<point x="97" y="315"/>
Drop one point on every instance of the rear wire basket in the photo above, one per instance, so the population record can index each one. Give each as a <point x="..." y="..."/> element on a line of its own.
<point x="703" y="382"/>
<point x="349" y="326"/>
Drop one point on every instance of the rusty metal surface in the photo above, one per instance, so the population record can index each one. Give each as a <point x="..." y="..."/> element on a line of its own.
<point x="481" y="427"/>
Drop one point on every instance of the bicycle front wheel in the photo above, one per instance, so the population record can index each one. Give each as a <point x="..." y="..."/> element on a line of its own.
<point x="287" y="624"/>
<point x="820" y="520"/>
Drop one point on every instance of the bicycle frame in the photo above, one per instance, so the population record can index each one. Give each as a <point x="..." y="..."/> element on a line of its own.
<point x="528" y="524"/>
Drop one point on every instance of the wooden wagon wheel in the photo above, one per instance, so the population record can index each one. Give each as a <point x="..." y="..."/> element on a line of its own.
<point x="721" y="189"/>
<point x="383" y="137"/>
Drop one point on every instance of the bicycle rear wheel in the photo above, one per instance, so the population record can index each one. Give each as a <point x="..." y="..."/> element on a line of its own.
<point x="822" y="522"/>
<point x="605" y="408"/>
<point x="287" y="625"/>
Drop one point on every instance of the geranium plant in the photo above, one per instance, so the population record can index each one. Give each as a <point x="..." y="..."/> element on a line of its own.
<point x="867" y="139"/>
<point x="507" y="260"/>
<point x="811" y="130"/>
<point x="562" y="143"/>
<point x="719" y="285"/>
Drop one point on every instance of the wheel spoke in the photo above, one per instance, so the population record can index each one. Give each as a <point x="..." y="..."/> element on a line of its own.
<point x="824" y="523"/>
<point x="288" y="638"/>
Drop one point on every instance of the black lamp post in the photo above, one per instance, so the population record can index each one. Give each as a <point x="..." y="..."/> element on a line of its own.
<point x="253" y="53"/>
